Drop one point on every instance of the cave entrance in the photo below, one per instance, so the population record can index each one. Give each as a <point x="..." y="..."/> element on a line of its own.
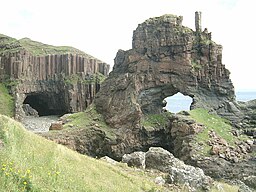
<point x="178" y="102"/>
<point x="47" y="103"/>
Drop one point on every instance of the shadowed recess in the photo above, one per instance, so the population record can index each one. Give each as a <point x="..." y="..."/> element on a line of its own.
<point x="47" y="103"/>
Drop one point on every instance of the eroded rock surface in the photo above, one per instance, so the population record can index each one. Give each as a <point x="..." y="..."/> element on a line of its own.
<point x="135" y="159"/>
<point x="249" y="120"/>
<point x="160" y="159"/>
<point x="219" y="158"/>
<point x="52" y="80"/>
<point x="177" y="171"/>
<point x="166" y="58"/>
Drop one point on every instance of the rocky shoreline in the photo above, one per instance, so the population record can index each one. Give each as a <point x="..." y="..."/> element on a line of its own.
<point x="39" y="124"/>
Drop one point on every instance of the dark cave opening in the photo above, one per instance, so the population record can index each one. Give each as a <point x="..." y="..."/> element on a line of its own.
<point x="47" y="104"/>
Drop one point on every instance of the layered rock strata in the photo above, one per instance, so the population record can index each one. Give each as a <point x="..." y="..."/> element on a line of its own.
<point x="53" y="80"/>
<point x="166" y="58"/>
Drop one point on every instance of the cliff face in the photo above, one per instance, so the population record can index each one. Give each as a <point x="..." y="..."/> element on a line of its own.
<point x="64" y="81"/>
<point x="166" y="58"/>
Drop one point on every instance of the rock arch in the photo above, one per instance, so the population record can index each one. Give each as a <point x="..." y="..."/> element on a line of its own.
<point x="151" y="100"/>
<point x="166" y="58"/>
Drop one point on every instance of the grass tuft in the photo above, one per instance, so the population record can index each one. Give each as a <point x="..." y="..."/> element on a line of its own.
<point x="87" y="119"/>
<point x="6" y="102"/>
<point x="156" y="120"/>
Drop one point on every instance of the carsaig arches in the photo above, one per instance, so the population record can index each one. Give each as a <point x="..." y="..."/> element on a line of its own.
<point x="166" y="58"/>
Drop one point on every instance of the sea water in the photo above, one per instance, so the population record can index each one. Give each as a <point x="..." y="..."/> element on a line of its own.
<point x="245" y="95"/>
<point x="179" y="102"/>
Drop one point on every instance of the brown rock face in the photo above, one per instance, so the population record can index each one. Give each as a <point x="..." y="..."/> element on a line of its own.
<point x="52" y="80"/>
<point x="56" y="126"/>
<point x="166" y="58"/>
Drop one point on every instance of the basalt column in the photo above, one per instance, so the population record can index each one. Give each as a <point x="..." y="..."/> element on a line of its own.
<point x="54" y="83"/>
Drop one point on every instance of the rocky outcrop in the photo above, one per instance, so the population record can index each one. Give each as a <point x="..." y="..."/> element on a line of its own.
<point x="53" y="80"/>
<point x="91" y="141"/>
<point x="182" y="130"/>
<point x="29" y="111"/>
<point x="135" y="159"/>
<point x="249" y="120"/>
<point x="178" y="172"/>
<point x="56" y="125"/>
<point x="166" y="58"/>
<point x="231" y="158"/>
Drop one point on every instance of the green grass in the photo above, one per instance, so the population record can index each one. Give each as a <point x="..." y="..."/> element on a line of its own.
<point x="221" y="186"/>
<point x="12" y="45"/>
<point x="87" y="119"/>
<point x="6" y="102"/>
<point x="90" y="79"/>
<point x="155" y="120"/>
<point x="8" y="44"/>
<point x="32" y="163"/>
<point x="215" y="123"/>
<point x="29" y="163"/>
<point x="196" y="66"/>
<point x="37" y="48"/>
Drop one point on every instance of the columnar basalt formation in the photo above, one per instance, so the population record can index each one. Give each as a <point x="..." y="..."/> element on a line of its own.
<point x="198" y="24"/>
<point x="24" y="65"/>
<point x="166" y="58"/>
<point x="53" y="80"/>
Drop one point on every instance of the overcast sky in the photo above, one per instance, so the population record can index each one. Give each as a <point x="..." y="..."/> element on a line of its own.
<point x="101" y="27"/>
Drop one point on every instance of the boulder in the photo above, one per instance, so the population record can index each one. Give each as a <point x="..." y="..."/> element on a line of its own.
<point x="178" y="171"/>
<point x="215" y="150"/>
<point x="29" y="111"/>
<point x="190" y="175"/>
<point x="250" y="181"/>
<point x="159" y="180"/>
<point x="160" y="159"/>
<point x="109" y="160"/>
<point x="136" y="159"/>
<point x="56" y="125"/>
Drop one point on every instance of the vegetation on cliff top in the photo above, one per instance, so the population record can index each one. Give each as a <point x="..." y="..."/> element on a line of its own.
<point x="12" y="45"/>
<point x="87" y="119"/>
<point x="6" y="102"/>
<point x="89" y="79"/>
<point x="152" y="121"/>
<point x="37" y="48"/>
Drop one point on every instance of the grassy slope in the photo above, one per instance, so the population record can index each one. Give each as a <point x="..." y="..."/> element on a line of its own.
<point x="29" y="162"/>
<point x="37" y="48"/>
<point x="87" y="120"/>
<point x="6" y="102"/>
<point x="12" y="45"/>
<point x="217" y="124"/>
<point x="36" y="164"/>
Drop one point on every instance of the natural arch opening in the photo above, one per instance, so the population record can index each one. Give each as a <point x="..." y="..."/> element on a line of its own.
<point x="178" y="102"/>
<point x="47" y="104"/>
